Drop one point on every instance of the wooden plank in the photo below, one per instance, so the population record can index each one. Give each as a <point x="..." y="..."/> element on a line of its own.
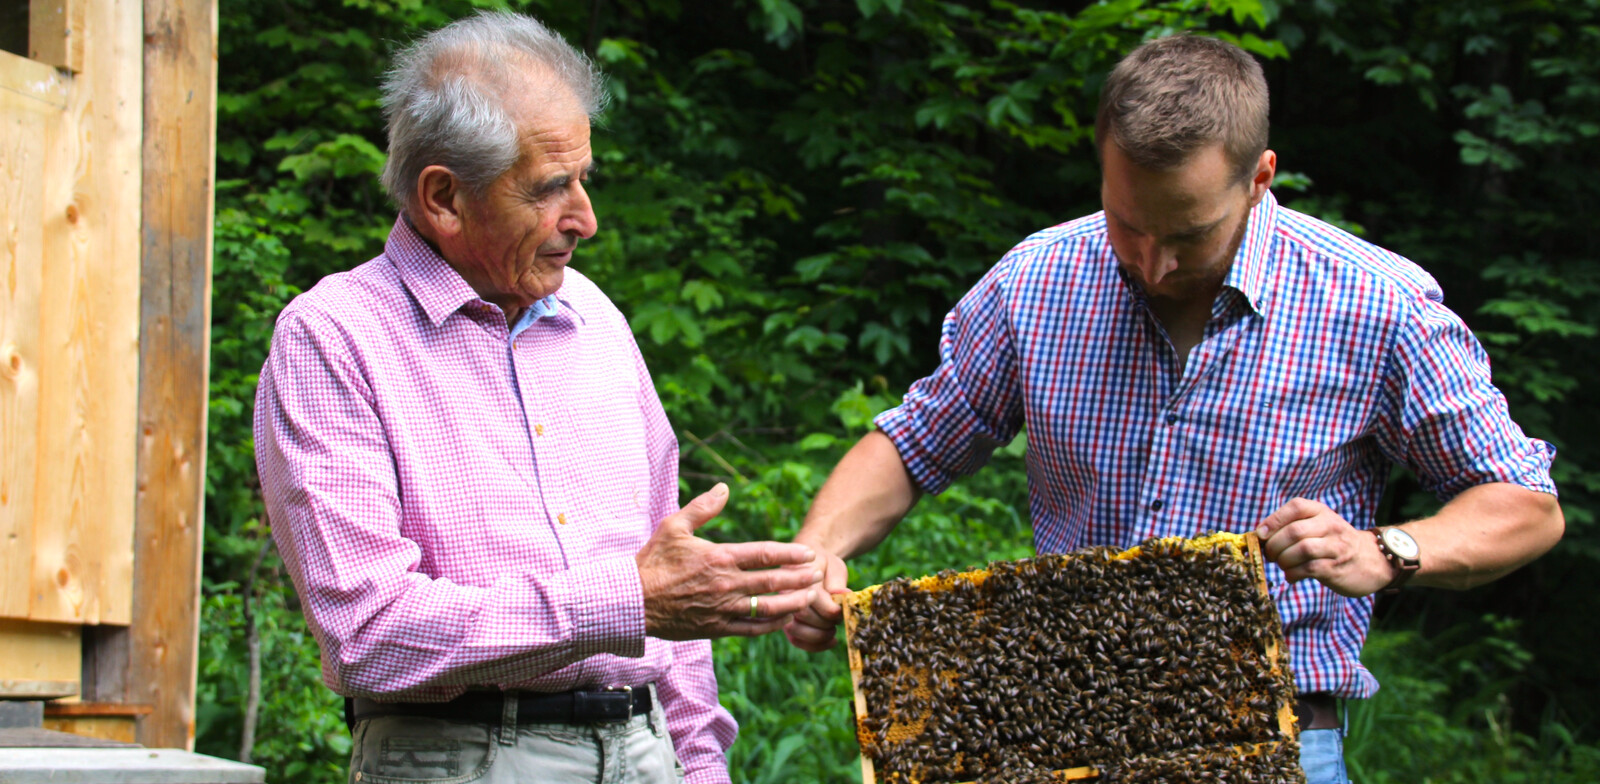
<point x="868" y="774"/>
<point x="26" y="120"/>
<point x="95" y="709"/>
<point x="106" y="721"/>
<point x="89" y="311"/>
<point x="17" y="739"/>
<point x="37" y="690"/>
<point x="1287" y="723"/>
<point x="40" y="651"/>
<point x="21" y="77"/>
<point x="105" y="663"/>
<point x="56" y="33"/>
<point x="179" y="144"/>
<point x="113" y="265"/>
<point x="120" y="729"/>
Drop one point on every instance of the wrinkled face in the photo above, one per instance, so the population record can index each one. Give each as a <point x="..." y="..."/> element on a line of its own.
<point x="1175" y="232"/>
<point x="517" y="238"/>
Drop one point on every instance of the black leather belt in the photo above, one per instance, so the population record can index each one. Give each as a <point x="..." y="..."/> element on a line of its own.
<point x="1317" y="711"/>
<point x="603" y="706"/>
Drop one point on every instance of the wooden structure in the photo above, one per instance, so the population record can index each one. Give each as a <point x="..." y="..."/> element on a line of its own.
<point x="107" y="133"/>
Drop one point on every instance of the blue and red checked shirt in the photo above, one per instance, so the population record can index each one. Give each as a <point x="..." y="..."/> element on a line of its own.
<point x="1326" y="359"/>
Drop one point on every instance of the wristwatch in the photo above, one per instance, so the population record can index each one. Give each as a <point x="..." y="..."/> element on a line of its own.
<point x="1403" y="555"/>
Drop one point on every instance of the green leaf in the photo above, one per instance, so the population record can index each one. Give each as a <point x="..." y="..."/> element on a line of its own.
<point x="816" y="441"/>
<point x="703" y="293"/>
<point x="884" y="343"/>
<point x="812" y="268"/>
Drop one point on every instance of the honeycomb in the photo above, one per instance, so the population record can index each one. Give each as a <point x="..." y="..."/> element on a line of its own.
<point x="1161" y="663"/>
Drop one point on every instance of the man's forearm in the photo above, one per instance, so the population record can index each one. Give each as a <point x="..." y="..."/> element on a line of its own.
<point x="1485" y="533"/>
<point x="862" y="501"/>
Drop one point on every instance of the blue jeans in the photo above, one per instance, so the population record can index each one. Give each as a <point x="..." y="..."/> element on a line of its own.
<point x="1322" y="756"/>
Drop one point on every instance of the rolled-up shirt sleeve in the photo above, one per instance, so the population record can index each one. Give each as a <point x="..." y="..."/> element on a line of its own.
<point x="951" y="421"/>
<point x="1444" y="418"/>
<point x="333" y="498"/>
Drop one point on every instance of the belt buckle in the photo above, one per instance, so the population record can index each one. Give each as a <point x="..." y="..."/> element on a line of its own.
<point x="607" y="706"/>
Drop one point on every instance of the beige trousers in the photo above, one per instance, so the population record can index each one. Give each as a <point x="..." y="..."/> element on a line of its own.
<point x="412" y="750"/>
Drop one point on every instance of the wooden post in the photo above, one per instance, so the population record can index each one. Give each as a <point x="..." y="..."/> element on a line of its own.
<point x="56" y="33"/>
<point x="179" y="143"/>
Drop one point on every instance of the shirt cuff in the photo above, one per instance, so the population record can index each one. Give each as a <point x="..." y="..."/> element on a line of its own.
<point x="710" y="775"/>
<point x="1533" y="472"/>
<point x="899" y="425"/>
<point x="605" y="602"/>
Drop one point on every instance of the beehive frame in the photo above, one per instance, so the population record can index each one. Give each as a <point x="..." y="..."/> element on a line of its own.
<point x="1243" y="547"/>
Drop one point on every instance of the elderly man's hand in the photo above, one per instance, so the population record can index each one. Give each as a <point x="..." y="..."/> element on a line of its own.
<point x="694" y="589"/>
<point x="1308" y="539"/>
<point x="813" y="627"/>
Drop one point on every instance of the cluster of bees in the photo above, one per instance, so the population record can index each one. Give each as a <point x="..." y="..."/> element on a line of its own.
<point x="1161" y="663"/>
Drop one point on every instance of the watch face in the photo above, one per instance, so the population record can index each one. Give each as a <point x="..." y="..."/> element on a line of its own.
<point x="1400" y="543"/>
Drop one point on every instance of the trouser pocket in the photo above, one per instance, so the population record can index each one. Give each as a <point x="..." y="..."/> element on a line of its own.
<point x="408" y="750"/>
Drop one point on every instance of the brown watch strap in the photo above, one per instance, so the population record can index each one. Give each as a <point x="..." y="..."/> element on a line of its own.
<point x="1405" y="567"/>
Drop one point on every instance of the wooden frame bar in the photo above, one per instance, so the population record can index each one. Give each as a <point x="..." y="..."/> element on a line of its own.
<point x="180" y="81"/>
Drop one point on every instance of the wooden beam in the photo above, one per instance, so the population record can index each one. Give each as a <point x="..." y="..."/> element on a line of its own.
<point x="31" y="100"/>
<point x="69" y="210"/>
<point x="55" y="33"/>
<point x="95" y="709"/>
<point x="88" y="360"/>
<point x="120" y="729"/>
<point x="179" y="150"/>
<point x="40" y="652"/>
<point x="37" y="690"/>
<point x="31" y="79"/>
<point x="105" y="663"/>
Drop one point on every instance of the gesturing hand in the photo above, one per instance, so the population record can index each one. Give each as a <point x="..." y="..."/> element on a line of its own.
<point x="813" y="627"/>
<point x="694" y="589"/>
<point x="1308" y="539"/>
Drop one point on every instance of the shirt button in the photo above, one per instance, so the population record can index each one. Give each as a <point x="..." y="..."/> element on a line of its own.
<point x="562" y="518"/>
<point x="538" y="430"/>
<point x="1155" y="506"/>
<point x="1172" y="419"/>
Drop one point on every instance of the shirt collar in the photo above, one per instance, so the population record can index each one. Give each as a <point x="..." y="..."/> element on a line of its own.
<point x="544" y="308"/>
<point x="439" y="289"/>
<point x="1250" y="269"/>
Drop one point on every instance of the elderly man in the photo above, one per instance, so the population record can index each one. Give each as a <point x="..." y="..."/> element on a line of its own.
<point x="469" y="474"/>
<point x="1196" y="357"/>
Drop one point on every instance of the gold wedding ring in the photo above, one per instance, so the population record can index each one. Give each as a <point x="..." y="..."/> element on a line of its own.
<point x="753" y="612"/>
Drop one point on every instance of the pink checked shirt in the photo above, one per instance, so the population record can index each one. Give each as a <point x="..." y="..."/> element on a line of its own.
<point x="460" y="508"/>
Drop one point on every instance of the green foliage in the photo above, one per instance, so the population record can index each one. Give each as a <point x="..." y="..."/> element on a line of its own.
<point x="791" y="195"/>
<point x="301" y="736"/>
<point x="1446" y="694"/>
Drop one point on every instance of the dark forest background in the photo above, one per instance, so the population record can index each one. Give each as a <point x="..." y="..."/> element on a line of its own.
<point x="793" y="192"/>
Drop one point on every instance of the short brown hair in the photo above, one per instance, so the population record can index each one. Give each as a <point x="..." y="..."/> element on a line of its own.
<point x="1173" y="96"/>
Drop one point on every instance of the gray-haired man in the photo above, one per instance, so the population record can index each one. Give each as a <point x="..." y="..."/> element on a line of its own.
<point x="470" y="476"/>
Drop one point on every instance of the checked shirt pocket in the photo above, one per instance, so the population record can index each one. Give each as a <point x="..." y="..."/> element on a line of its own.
<point x="404" y="750"/>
